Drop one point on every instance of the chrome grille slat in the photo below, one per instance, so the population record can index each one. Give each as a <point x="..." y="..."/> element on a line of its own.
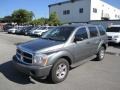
<point x="24" y="56"/>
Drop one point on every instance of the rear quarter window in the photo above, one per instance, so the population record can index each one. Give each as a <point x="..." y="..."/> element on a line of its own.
<point x="93" y="32"/>
<point x="101" y="30"/>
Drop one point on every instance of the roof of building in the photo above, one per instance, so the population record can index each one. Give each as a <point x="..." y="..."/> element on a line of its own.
<point x="72" y="1"/>
<point x="64" y="2"/>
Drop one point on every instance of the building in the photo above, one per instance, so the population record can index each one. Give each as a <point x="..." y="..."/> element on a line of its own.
<point x="84" y="11"/>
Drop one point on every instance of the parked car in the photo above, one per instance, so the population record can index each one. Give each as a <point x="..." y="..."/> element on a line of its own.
<point x="60" y="49"/>
<point x="24" y="30"/>
<point x="7" y="27"/>
<point x="39" y="31"/>
<point x="113" y="33"/>
<point x="30" y="32"/>
<point x="15" y="29"/>
<point x="12" y="30"/>
<point x="19" y="29"/>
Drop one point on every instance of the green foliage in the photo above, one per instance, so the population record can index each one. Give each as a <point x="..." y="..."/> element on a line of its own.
<point x="22" y="16"/>
<point x="6" y="19"/>
<point x="53" y="19"/>
<point x="40" y="21"/>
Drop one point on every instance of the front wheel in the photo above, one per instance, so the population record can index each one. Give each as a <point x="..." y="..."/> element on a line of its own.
<point x="59" y="71"/>
<point x="101" y="54"/>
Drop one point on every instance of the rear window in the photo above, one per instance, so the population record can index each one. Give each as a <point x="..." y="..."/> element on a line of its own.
<point x="101" y="30"/>
<point x="113" y="29"/>
<point x="93" y="32"/>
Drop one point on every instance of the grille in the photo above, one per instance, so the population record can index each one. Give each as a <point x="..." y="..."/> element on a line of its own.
<point x="23" y="56"/>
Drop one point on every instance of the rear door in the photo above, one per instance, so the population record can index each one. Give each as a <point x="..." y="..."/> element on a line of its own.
<point x="94" y="39"/>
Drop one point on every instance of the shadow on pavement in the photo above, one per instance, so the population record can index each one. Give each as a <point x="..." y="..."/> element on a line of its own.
<point x="9" y="71"/>
<point x="12" y="74"/>
<point x="114" y="45"/>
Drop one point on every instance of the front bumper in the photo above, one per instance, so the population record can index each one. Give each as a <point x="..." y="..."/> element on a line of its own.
<point x="114" y="40"/>
<point x="31" y="70"/>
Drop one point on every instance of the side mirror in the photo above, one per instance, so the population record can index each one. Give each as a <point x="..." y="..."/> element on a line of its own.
<point x="78" y="38"/>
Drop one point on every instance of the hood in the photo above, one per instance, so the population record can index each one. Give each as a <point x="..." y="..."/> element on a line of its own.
<point x="113" y="33"/>
<point x="40" y="45"/>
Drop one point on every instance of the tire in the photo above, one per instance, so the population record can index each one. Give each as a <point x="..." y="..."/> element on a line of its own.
<point x="101" y="54"/>
<point x="59" y="71"/>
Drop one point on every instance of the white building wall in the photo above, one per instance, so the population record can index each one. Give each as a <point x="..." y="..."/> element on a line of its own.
<point x="103" y="10"/>
<point x="114" y="13"/>
<point x="95" y="4"/>
<point x="74" y="15"/>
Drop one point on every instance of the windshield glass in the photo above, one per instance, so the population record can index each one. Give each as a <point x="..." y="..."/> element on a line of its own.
<point x="43" y="28"/>
<point x="34" y="28"/>
<point x="113" y="29"/>
<point x="51" y="27"/>
<point x="59" y="33"/>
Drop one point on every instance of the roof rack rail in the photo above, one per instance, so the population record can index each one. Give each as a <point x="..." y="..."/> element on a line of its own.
<point x="76" y="24"/>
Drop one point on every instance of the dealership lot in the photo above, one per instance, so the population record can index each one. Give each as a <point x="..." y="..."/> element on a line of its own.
<point x="93" y="75"/>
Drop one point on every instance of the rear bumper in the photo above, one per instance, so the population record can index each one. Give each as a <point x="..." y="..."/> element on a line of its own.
<point x="31" y="70"/>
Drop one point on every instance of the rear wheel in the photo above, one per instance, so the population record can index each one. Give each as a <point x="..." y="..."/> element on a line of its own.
<point x="59" y="71"/>
<point x="101" y="54"/>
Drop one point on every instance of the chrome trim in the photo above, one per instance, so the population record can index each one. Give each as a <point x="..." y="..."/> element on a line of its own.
<point x="26" y="51"/>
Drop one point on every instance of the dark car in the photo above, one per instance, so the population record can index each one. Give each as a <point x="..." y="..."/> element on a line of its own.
<point x="60" y="49"/>
<point x="7" y="27"/>
<point x="24" y="30"/>
<point x="28" y="32"/>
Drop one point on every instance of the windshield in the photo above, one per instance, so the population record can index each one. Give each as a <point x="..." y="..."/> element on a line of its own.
<point x="34" y="28"/>
<point x="43" y="28"/>
<point x="59" y="33"/>
<point x="51" y="27"/>
<point x="113" y="29"/>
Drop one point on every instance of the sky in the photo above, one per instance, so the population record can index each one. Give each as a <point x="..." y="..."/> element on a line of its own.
<point x="39" y="7"/>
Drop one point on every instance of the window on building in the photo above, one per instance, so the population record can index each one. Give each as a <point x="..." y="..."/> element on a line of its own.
<point x="66" y="12"/>
<point x="81" y="10"/>
<point x="94" y="10"/>
<point x="115" y="16"/>
<point x="93" y="32"/>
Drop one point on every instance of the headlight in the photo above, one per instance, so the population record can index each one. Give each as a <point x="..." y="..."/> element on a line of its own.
<point x="40" y="59"/>
<point x="116" y="36"/>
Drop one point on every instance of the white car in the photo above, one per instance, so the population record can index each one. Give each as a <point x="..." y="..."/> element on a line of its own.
<point x="113" y="33"/>
<point x="41" y="30"/>
<point x="14" y="29"/>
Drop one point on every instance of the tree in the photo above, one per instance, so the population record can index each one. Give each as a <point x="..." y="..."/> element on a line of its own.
<point x="40" y="21"/>
<point x="22" y="16"/>
<point x="7" y="19"/>
<point x="53" y="19"/>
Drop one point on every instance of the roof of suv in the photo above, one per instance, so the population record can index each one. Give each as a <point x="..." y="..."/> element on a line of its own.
<point x="78" y="25"/>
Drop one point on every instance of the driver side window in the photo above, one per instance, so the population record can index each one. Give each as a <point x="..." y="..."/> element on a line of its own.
<point x="81" y="34"/>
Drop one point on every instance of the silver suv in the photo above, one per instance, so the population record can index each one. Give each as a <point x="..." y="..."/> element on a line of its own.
<point x="60" y="49"/>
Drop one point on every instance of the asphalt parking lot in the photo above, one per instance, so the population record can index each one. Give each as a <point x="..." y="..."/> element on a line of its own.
<point x="93" y="75"/>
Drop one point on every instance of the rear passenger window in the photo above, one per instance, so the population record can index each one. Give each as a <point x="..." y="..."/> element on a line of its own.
<point x="93" y="31"/>
<point x="102" y="31"/>
<point x="82" y="33"/>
